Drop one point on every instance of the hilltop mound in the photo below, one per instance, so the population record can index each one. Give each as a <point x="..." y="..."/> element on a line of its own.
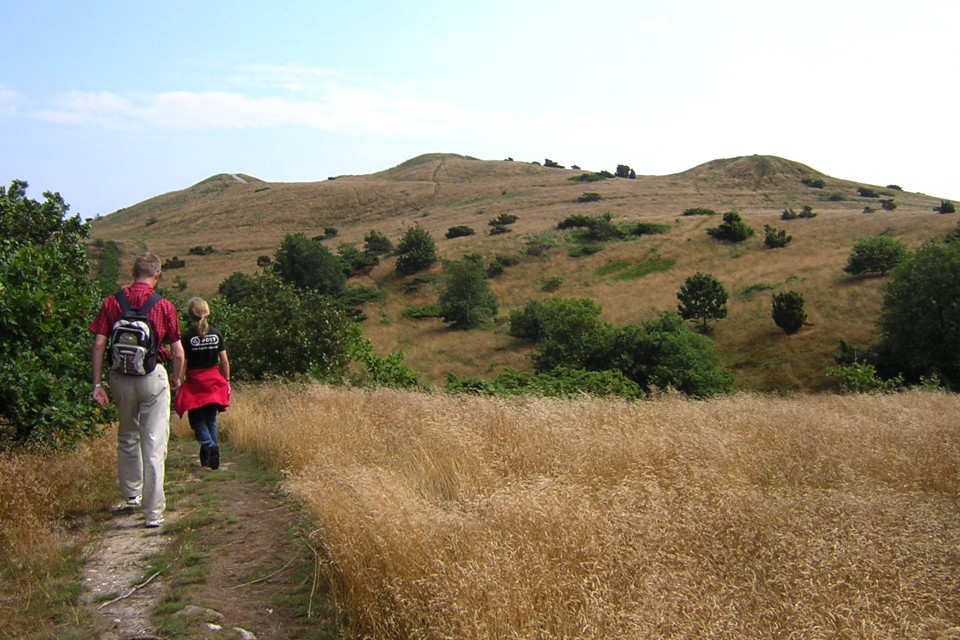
<point x="753" y="172"/>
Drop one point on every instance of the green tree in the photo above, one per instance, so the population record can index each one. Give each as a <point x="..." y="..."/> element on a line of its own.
<point x="875" y="254"/>
<point x="46" y="302"/>
<point x="278" y="331"/>
<point x="788" y="313"/>
<point x="565" y="331"/>
<point x="733" y="228"/>
<point x="377" y="243"/>
<point x="702" y="297"/>
<point x="236" y="287"/>
<point x="416" y="251"/>
<point x="919" y="322"/>
<point x="309" y="265"/>
<point x="465" y="298"/>
<point x="775" y="238"/>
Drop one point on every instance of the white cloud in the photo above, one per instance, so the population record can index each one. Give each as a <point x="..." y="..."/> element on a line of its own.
<point x="9" y="101"/>
<point x="331" y="107"/>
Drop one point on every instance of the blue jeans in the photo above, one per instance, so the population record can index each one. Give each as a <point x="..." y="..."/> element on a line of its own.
<point x="203" y="421"/>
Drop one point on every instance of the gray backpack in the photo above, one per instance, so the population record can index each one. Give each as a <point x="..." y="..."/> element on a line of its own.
<point x="133" y="341"/>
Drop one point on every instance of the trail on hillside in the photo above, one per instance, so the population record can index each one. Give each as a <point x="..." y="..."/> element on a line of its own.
<point x="250" y="562"/>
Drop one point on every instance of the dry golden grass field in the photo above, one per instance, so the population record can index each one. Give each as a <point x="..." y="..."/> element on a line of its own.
<point x="742" y="517"/>
<point x="244" y="220"/>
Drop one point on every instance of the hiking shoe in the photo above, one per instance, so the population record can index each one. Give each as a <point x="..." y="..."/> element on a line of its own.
<point x="204" y="455"/>
<point x="214" y="456"/>
<point x="133" y="501"/>
<point x="153" y="523"/>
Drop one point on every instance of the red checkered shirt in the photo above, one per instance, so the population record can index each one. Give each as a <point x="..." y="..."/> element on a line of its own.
<point x="163" y="317"/>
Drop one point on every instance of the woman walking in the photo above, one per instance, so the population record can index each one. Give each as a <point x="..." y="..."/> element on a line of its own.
<point x="206" y="391"/>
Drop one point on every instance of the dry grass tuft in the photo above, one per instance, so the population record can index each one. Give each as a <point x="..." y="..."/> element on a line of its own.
<point x="38" y="496"/>
<point x="741" y="517"/>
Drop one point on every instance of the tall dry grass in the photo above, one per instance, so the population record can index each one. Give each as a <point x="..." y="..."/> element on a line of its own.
<point x="741" y="517"/>
<point x="40" y="495"/>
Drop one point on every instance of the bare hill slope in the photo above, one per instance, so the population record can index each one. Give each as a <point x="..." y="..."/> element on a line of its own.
<point x="245" y="219"/>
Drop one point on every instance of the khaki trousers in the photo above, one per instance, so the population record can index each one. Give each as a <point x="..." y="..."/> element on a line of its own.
<point x="143" y="405"/>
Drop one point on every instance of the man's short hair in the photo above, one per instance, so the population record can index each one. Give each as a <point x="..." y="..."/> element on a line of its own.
<point x="146" y="265"/>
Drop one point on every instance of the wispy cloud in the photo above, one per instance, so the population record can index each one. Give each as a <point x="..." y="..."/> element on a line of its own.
<point x="9" y="101"/>
<point x="271" y="97"/>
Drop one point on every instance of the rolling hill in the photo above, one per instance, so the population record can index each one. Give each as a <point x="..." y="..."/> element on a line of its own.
<point x="243" y="218"/>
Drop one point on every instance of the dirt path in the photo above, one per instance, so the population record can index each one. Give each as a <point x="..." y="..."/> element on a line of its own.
<point x="228" y="561"/>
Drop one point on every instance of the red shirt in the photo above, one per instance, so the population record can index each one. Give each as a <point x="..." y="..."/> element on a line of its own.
<point x="163" y="317"/>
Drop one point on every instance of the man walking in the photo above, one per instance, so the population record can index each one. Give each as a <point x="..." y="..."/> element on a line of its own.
<point x="141" y="392"/>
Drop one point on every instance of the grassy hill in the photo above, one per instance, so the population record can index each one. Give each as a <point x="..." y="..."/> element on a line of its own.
<point x="242" y="218"/>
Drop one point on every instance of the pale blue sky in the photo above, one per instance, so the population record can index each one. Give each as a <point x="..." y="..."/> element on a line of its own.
<point x="113" y="102"/>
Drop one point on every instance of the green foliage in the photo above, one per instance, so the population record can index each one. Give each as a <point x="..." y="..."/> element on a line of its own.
<point x="377" y="243"/>
<point x="416" y="251"/>
<point x="459" y="232"/>
<point x="591" y="177"/>
<point x="649" y="228"/>
<point x="356" y="296"/>
<point x="593" y="228"/>
<point x="354" y="261"/>
<point x="562" y="318"/>
<point x="552" y="283"/>
<point x="806" y="212"/>
<point x="815" y="183"/>
<point x="624" y="171"/>
<point x="420" y="313"/>
<point x="867" y="192"/>
<point x="699" y="211"/>
<point x="919" y="322"/>
<point x="278" y="331"/>
<point x="945" y="207"/>
<point x="585" y="250"/>
<point x="376" y="371"/>
<point x="237" y="287"/>
<point x="733" y="229"/>
<point x="788" y="313"/>
<point x="551" y="164"/>
<point x="775" y="238"/>
<point x="895" y="187"/>
<point x="875" y="254"/>
<point x="173" y="263"/>
<point x="862" y="378"/>
<point x="465" y="298"/>
<point x="309" y="266"/>
<point x="46" y="303"/>
<point x="788" y="214"/>
<point x="558" y="383"/>
<point x="589" y="196"/>
<point x="264" y="261"/>
<point x="108" y="268"/>
<point x="887" y="204"/>
<point x="201" y="251"/>
<point x="702" y="297"/>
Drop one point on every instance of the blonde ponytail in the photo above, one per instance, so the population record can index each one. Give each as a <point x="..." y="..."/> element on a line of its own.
<point x="198" y="310"/>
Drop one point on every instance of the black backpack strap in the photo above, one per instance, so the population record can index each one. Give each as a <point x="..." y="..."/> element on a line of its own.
<point x="152" y="300"/>
<point x="123" y="301"/>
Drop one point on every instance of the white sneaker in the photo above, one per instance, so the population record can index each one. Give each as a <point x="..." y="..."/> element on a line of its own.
<point x="153" y="523"/>
<point x="133" y="501"/>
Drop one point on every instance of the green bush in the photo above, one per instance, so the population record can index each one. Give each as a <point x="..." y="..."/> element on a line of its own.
<point x="201" y="251"/>
<point x="699" y="211"/>
<point x="552" y="283"/>
<point x="421" y="313"/>
<point x="309" y="266"/>
<point x="733" y="229"/>
<point x="702" y="297"/>
<point x="806" y="212"/>
<point x="815" y="183"/>
<point x="278" y="331"/>
<point x="354" y="261"/>
<point x="559" y="383"/>
<point x="46" y="303"/>
<point x="862" y="378"/>
<point x="459" y="231"/>
<point x="377" y="243"/>
<point x="775" y="238"/>
<point x="867" y="192"/>
<point x="585" y="250"/>
<point x="788" y="312"/>
<point x="173" y="263"/>
<point x="887" y="204"/>
<point x="590" y="177"/>
<point x="416" y="251"/>
<point x="624" y="171"/>
<point x="789" y="214"/>
<point x="589" y="196"/>
<point x="945" y="207"/>
<point x="465" y="298"/>
<point x="649" y="228"/>
<point x="875" y="254"/>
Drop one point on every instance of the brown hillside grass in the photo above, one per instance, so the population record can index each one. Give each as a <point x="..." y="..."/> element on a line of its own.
<point x="742" y="517"/>
<point x="438" y="191"/>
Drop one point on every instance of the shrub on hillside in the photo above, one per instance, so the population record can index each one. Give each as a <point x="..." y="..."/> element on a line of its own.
<point x="308" y="265"/>
<point x="624" y="171"/>
<point x="733" y="229"/>
<point x="173" y="263"/>
<point x="465" y="298"/>
<point x="945" y="206"/>
<point x="649" y="228"/>
<point x="775" y="238"/>
<point x="806" y="211"/>
<point x="875" y="254"/>
<point x="788" y="312"/>
<point x="867" y="192"/>
<point x="552" y="164"/>
<point x="699" y="211"/>
<point x="702" y="297"/>
<point x="887" y="204"/>
<point x="416" y="251"/>
<point x="815" y="183"/>
<point x="589" y="196"/>
<point x="201" y="251"/>
<point x="377" y="243"/>
<point x="459" y="231"/>
<point x="591" y="177"/>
